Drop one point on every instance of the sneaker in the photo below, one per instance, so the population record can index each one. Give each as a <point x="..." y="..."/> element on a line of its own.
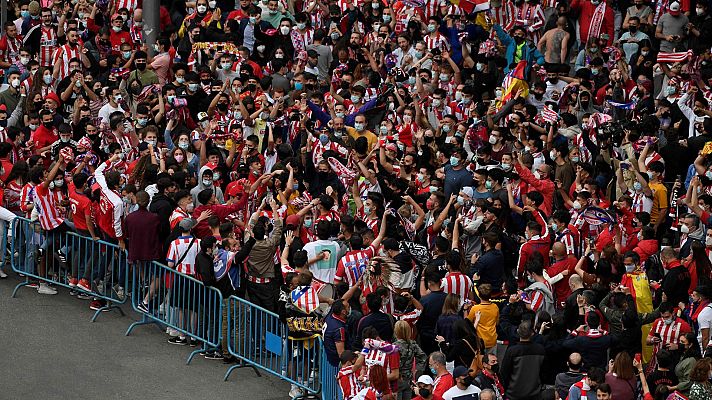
<point x="120" y="294"/>
<point x="45" y="289"/>
<point x="295" y="391"/>
<point x="96" y="305"/>
<point x="73" y="282"/>
<point x="178" y="341"/>
<point x="229" y="359"/>
<point x="214" y="355"/>
<point x="143" y="307"/>
<point x="193" y="342"/>
<point x="3" y="275"/>
<point x="73" y="292"/>
<point x="83" y="296"/>
<point x="62" y="258"/>
<point x="33" y="285"/>
<point x="84" y="285"/>
<point x="100" y="287"/>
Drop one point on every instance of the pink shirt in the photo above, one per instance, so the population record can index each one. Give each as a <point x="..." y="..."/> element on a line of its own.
<point x="160" y="66"/>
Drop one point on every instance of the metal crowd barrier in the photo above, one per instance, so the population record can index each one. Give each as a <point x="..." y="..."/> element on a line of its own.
<point x="329" y="385"/>
<point x="178" y="301"/>
<point x="69" y="255"/>
<point x="259" y="339"/>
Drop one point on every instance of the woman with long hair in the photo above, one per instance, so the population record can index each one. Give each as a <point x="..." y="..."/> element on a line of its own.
<point x="379" y="388"/>
<point x="465" y="346"/>
<point x="701" y="388"/>
<point x="621" y="377"/>
<point x="587" y="54"/>
<point x="699" y="266"/>
<point x="411" y="355"/>
<point x="690" y="354"/>
<point x="450" y="314"/>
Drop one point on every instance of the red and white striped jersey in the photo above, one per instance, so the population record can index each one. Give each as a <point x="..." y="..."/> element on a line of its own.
<point x="348" y="382"/>
<point x="670" y="334"/>
<point x="305" y="298"/>
<point x="570" y="237"/>
<point x="130" y="5"/>
<point x="352" y="265"/>
<point x="176" y="216"/>
<point x="48" y="44"/>
<point x="436" y="42"/>
<point x="47" y="206"/>
<point x="27" y="197"/>
<point x="319" y="149"/>
<point x="305" y="39"/>
<point x="537" y="297"/>
<point x="431" y="7"/>
<point x="330" y="216"/>
<point x="457" y="283"/>
<point x="182" y="248"/>
<point x="641" y="202"/>
<point x="111" y="207"/>
<point x="10" y="49"/>
<point x="62" y="56"/>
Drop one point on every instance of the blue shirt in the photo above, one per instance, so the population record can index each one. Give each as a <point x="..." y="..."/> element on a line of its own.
<point x="455" y="180"/>
<point x="334" y="332"/>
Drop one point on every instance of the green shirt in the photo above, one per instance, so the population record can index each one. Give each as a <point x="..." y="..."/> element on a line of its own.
<point x="519" y="52"/>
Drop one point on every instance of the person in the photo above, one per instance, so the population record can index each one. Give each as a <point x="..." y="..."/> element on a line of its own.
<point x="521" y="365"/>
<point x="621" y="377"/>
<point x="565" y="380"/>
<point x="424" y="389"/>
<point x="701" y="387"/>
<point x="412" y="358"/>
<point x="589" y="383"/>
<point x="443" y="378"/>
<point x="463" y="388"/>
<point x="335" y="333"/>
<point x="488" y="380"/>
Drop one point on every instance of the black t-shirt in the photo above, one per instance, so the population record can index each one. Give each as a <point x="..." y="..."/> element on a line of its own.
<point x="659" y="377"/>
<point x="432" y="308"/>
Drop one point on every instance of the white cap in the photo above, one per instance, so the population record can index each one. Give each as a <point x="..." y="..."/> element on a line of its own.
<point x="468" y="191"/>
<point x="425" y="380"/>
<point x="674" y="6"/>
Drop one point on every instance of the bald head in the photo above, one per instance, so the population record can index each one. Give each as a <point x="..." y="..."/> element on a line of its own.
<point x="559" y="250"/>
<point x="545" y="168"/>
<point x="575" y="282"/>
<point x="575" y="361"/>
<point x="561" y="22"/>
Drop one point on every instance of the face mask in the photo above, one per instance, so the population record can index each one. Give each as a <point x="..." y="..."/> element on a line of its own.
<point x="444" y="77"/>
<point x="301" y="26"/>
<point x="324" y="138"/>
<point x="670" y="90"/>
<point x="593" y="50"/>
<point x="554" y="227"/>
<point x="212" y="4"/>
<point x="424" y="393"/>
<point x="226" y="65"/>
<point x="208" y="182"/>
<point x="537" y="175"/>
<point x="460" y="200"/>
<point x="116" y="29"/>
<point x="15" y="83"/>
<point x="170" y="98"/>
<point x="407" y="119"/>
<point x="552" y="155"/>
<point x="668" y="321"/>
<point x="454" y="161"/>
<point x="629" y="267"/>
<point x="284" y="30"/>
<point x="574" y="159"/>
<point x="644" y="53"/>
<point x="253" y="20"/>
<point x="47" y="79"/>
<point x="355" y="98"/>
<point x="358" y="126"/>
<point x="684" y="229"/>
<point x="446" y="128"/>
<point x="437" y="102"/>
<point x="506" y="166"/>
<point x="433" y="371"/>
<point x="25" y="13"/>
<point x="699" y="11"/>
<point x="202" y="9"/>
<point x="432" y="28"/>
<point x="498" y="93"/>
<point x="708" y="241"/>
<point x="418" y="55"/>
<point x="307" y="223"/>
<point x="58" y="183"/>
<point x="577" y="205"/>
<point x="594" y="72"/>
<point x="637" y="186"/>
<point x="340" y="115"/>
<point x="366" y="210"/>
<point x="489" y="185"/>
<point x="383" y="129"/>
<point x="650" y="174"/>
<point x="64" y="139"/>
<point x="142" y="121"/>
<point x="193" y="87"/>
<point x="33" y="127"/>
<point x="179" y="158"/>
<point x="48" y="125"/>
<point x="272" y="12"/>
<point x="298" y="86"/>
<point x="261" y="48"/>
<point x="386" y="18"/>
<point x="411" y="80"/>
<point x="375" y="5"/>
<point x="183" y="145"/>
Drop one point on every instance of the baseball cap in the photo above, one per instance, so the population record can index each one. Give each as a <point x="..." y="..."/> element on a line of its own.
<point x="202" y="116"/>
<point x="426" y="380"/>
<point x="674" y="7"/>
<point x="187" y="224"/>
<point x="468" y="191"/>
<point x="292" y="220"/>
<point x="458" y="372"/>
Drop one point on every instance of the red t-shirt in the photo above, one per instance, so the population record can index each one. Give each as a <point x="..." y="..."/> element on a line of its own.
<point x="81" y="207"/>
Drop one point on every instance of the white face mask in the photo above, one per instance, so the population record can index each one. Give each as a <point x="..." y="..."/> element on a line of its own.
<point x="202" y="9"/>
<point x="708" y="241"/>
<point x="684" y="229"/>
<point x="284" y="30"/>
<point x="577" y="205"/>
<point x="492" y="140"/>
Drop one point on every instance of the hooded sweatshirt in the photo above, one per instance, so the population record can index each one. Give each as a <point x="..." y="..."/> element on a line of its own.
<point x="200" y="187"/>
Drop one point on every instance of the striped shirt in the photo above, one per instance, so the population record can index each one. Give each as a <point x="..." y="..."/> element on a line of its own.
<point x="352" y="265"/>
<point x="348" y="382"/>
<point x="62" y="55"/>
<point x="179" y="249"/>
<point x="305" y="298"/>
<point x="27" y="197"/>
<point x="47" y="205"/>
<point x="436" y="42"/>
<point x="457" y="283"/>
<point x="48" y="44"/>
<point x="176" y="216"/>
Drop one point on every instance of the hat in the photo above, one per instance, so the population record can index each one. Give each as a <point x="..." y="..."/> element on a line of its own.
<point x="426" y="380"/>
<point x="34" y="8"/>
<point x="312" y="53"/>
<point x="187" y="224"/>
<point x="143" y="146"/>
<point x="391" y="147"/>
<point x="292" y="220"/>
<point x="202" y="116"/>
<point x="53" y="96"/>
<point x="3" y="107"/>
<point x="459" y="372"/>
<point x="468" y="191"/>
<point x="211" y="165"/>
<point x="116" y="16"/>
<point x="674" y="6"/>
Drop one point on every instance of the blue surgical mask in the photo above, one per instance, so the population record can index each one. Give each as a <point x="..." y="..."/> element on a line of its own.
<point x="554" y="227"/>
<point x="419" y="54"/>
<point x="308" y="223"/>
<point x="183" y="145"/>
<point x="454" y="161"/>
<point x="432" y="27"/>
<point x="355" y="98"/>
<point x="366" y="210"/>
<point x="411" y="80"/>
<point x="629" y="267"/>
<point x="298" y="86"/>
<point x="386" y="18"/>
<point x="253" y="20"/>
<point x="25" y="13"/>
<point x="193" y="87"/>
<point x="339" y="114"/>
<point x="384" y="129"/>
<point x="324" y="138"/>
<point x="637" y="186"/>
<point x="358" y="126"/>
<point x="180" y="79"/>
<point x="433" y="371"/>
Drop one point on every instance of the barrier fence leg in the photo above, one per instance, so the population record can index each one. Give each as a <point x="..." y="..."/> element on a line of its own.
<point x="144" y="321"/>
<point x="241" y="364"/>
<point x="108" y="307"/>
<point x="192" y="354"/>
<point x="19" y="285"/>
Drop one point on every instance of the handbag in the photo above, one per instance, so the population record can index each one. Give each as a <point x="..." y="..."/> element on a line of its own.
<point x="476" y="364"/>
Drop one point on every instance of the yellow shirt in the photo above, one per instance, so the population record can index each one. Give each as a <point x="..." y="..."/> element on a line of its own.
<point x="372" y="139"/>
<point x="660" y="200"/>
<point x="487" y="327"/>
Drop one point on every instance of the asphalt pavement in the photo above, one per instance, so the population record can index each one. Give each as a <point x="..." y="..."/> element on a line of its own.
<point x="49" y="349"/>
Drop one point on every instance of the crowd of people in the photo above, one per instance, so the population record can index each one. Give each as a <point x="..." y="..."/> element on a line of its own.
<point x="463" y="199"/>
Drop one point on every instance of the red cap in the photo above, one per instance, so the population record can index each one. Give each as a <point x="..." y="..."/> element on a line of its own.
<point x="3" y="107"/>
<point x="211" y="165"/>
<point x="53" y="96"/>
<point x="292" y="220"/>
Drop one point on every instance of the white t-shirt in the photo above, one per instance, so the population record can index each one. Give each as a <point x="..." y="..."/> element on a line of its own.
<point x="323" y="270"/>
<point x="455" y="393"/>
<point x="106" y="111"/>
<point x="704" y="319"/>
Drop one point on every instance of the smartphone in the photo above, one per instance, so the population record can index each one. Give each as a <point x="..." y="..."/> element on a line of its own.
<point x="638" y="357"/>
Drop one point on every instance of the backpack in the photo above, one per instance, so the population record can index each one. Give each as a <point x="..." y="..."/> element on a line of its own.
<point x="654" y="268"/>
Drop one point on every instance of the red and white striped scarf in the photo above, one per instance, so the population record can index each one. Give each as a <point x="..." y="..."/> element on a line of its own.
<point x="594" y="29"/>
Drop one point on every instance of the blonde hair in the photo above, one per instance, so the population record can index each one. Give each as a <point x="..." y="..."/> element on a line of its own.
<point x="402" y="331"/>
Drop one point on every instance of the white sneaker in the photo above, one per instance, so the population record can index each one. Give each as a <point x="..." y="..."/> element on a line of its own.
<point x="120" y="294"/>
<point x="295" y="391"/>
<point x="44" y="289"/>
<point x="3" y="275"/>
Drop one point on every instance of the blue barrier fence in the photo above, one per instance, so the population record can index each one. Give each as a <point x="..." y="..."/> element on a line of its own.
<point x="63" y="258"/>
<point x="166" y="298"/>
<point x="169" y="298"/>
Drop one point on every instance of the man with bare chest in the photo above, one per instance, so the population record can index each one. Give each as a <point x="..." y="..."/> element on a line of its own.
<point x="555" y="43"/>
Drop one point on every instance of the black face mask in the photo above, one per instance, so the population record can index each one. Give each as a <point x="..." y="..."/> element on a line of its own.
<point x="632" y="29"/>
<point x="251" y="87"/>
<point x="538" y="96"/>
<point x="136" y="90"/>
<point x="141" y="66"/>
<point x="424" y="393"/>
<point x="205" y="81"/>
<point x="429" y="139"/>
<point x="518" y="39"/>
<point x="47" y="125"/>
<point x="322" y="174"/>
<point x="584" y="104"/>
<point x="553" y="80"/>
<point x="222" y="107"/>
<point x="39" y="105"/>
<point x="495" y="368"/>
<point x="345" y="85"/>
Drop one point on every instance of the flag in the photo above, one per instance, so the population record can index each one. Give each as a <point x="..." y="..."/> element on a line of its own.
<point x="470" y="6"/>
<point x="674" y="57"/>
<point x="224" y="268"/>
<point x="346" y="175"/>
<point x="597" y="216"/>
<point x="305" y="299"/>
<point x="549" y="115"/>
<point x="623" y="106"/>
<point x="515" y="81"/>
